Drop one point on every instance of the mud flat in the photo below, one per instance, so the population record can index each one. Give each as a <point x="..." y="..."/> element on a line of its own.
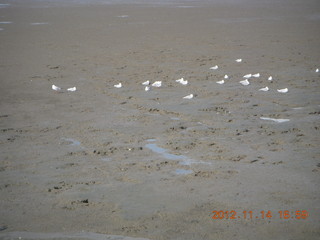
<point x="124" y="163"/>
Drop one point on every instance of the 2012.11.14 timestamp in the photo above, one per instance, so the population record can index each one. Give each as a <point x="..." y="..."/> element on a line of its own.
<point x="282" y="214"/>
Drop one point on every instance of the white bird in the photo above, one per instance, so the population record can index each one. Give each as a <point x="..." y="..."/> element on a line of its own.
<point x="214" y="68"/>
<point x="147" y="88"/>
<point x="190" y="96"/>
<point x="239" y="60"/>
<point x="270" y="78"/>
<point x="73" y="89"/>
<point x="221" y="82"/>
<point x="226" y="76"/>
<point x="265" y="89"/>
<point x="182" y="81"/>
<point x="146" y="83"/>
<point x="245" y="82"/>
<point x="54" y="87"/>
<point x="256" y="75"/>
<point x="317" y="70"/>
<point x="157" y="84"/>
<point x="248" y="76"/>
<point x="284" y="90"/>
<point x="119" y="85"/>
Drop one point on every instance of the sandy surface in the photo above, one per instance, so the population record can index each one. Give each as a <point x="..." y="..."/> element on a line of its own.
<point x="153" y="165"/>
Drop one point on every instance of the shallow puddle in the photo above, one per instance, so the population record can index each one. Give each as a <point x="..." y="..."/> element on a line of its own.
<point x="185" y="161"/>
<point x="38" y="23"/>
<point x="175" y="118"/>
<point x="106" y="159"/>
<point x="183" y="171"/>
<point x="155" y="148"/>
<point x="151" y="140"/>
<point x="188" y="162"/>
<point x="275" y="120"/>
<point x="72" y="141"/>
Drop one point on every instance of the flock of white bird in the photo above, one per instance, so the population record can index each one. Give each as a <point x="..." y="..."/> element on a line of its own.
<point x="246" y="77"/>
<point x="147" y="84"/>
<point x="244" y="82"/>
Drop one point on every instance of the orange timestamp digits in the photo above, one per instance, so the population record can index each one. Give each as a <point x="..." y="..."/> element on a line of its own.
<point x="283" y="214"/>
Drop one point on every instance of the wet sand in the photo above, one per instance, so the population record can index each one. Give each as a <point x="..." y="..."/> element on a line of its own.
<point x="107" y="162"/>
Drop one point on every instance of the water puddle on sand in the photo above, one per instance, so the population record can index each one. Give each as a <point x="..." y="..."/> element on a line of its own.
<point x="183" y="160"/>
<point x="4" y="5"/>
<point x="185" y="6"/>
<point x="38" y="23"/>
<point x="175" y="118"/>
<point x="189" y="162"/>
<point x="151" y="140"/>
<point x="106" y="159"/>
<point x="279" y="120"/>
<point x="155" y="148"/>
<point x="72" y="141"/>
<point x="183" y="171"/>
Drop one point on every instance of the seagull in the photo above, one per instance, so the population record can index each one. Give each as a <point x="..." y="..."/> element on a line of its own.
<point x="157" y="84"/>
<point x="182" y="81"/>
<point x="284" y="90"/>
<point x="270" y="78"/>
<point x="226" y="76"/>
<point x="190" y="96"/>
<point x="317" y="70"/>
<point x="73" y="89"/>
<point x="146" y="83"/>
<point x="119" y="85"/>
<point x="256" y="75"/>
<point x="239" y="60"/>
<point x="265" y="89"/>
<point x="147" y="88"/>
<point x="221" y="82"/>
<point x="248" y="76"/>
<point x="244" y="82"/>
<point x="214" y="68"/>
<point x="54" y="87"/>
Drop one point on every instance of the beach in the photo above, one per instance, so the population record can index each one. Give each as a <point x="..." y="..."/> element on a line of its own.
<point x="103" y="162"/>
